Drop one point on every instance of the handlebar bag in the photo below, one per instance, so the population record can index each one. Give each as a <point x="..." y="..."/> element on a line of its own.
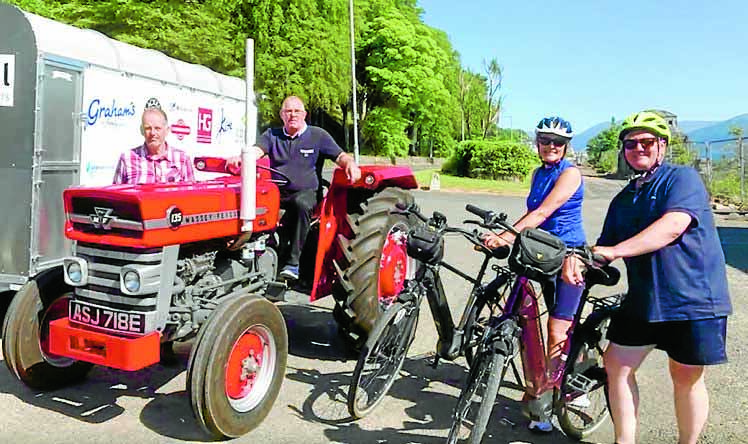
<point x="425" y="244"/>
<point x="537" y="254"/>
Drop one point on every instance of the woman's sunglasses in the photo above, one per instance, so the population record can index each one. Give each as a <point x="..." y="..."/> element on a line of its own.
<point x="631" y="144"/>
<point x="556" y="141"/>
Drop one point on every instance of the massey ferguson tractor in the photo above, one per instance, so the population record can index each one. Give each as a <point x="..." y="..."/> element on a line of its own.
<point x="154" y="264"/>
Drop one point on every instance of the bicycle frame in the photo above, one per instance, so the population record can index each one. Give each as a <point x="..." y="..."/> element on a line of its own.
<point x="451" y="342"/>
<point x="522" y="304"/>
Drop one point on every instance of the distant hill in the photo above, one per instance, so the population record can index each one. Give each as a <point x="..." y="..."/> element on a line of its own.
<point x="579" y="142"/>
<point x="719" y="130"/>
<point x="688" y="126"/>
<point x="696" y="130"/>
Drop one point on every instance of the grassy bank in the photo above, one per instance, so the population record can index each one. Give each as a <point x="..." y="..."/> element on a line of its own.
<point x="464" y="184"/>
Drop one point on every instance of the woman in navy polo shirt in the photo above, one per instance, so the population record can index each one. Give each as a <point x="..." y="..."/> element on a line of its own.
<point x="662" y="226"/>
<point x="555" y="205"/>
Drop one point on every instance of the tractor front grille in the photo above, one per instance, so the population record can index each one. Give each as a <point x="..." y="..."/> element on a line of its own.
<point x="103" y="288"/>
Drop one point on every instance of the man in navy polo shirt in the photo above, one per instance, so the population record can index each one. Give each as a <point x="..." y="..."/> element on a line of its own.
<point x="298" y="150"/>
<point x="662" y="226"/>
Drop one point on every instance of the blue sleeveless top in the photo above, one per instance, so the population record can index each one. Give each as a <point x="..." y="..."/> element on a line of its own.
<point x="566" y="221"/>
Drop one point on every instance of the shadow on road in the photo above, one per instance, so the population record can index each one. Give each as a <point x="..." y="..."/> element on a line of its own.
<point x="313" y="334"/>
<point x="735" y="244"/>
<point x="94" y="400"/>
<point x="428" y="415"/>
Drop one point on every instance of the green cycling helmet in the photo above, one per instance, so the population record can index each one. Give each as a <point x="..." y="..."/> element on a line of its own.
<point x="648" y="121"/>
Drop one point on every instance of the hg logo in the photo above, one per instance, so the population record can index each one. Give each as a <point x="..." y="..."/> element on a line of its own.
<point x="102" y="218"/>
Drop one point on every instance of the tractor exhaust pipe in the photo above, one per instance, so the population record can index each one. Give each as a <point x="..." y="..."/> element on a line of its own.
<point x="247" y="210"/>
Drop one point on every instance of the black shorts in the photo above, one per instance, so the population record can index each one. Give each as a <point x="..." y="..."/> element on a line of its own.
<point x="696" y="342"/>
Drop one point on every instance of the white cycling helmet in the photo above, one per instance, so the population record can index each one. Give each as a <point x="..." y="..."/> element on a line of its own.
<point x="554" y="125"/>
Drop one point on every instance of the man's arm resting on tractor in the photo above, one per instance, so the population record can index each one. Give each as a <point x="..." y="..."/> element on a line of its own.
<point x="352" y="171"/>
<point x="234" y="163"/>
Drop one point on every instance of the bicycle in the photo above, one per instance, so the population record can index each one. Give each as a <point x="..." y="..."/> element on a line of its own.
<point x="515" y="329"/>
<point x="384" y="352"/>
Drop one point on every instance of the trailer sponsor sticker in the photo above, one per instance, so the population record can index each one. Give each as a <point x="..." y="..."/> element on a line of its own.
<point x="7" y="75"/>
<point x="180" y="129"/>
<point x="204" y="125"/>
<point x="108" y="112"/>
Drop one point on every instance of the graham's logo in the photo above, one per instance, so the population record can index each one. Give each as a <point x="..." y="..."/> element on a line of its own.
<point x="98" y="111"/>
<point x="102" y="218"/>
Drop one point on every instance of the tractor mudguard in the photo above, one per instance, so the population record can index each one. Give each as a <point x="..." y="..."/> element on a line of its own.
<point x="334" y="209"/>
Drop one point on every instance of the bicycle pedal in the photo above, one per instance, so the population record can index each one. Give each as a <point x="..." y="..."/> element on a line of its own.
<point x="580" y="383"/>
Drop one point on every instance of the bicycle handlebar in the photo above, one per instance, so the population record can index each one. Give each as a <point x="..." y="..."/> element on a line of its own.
<point x="439" y="221"/>
<point x="598" y="268"/>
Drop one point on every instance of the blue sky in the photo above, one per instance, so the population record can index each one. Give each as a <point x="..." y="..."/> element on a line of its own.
<point x="588" y="61"/>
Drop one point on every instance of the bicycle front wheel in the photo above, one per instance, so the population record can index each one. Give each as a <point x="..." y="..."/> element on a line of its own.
<point x="584" y="395"/>
<point x="382" y="358"/>
<point x="477" y="398"/>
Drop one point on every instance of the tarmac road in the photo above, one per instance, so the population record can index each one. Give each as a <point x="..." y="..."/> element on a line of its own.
<point x="151" y="406"/>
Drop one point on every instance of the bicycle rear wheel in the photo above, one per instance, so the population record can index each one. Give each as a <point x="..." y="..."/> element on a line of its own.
<point x="382" y="358"/>
<point x="477" y="398"/>
<point x="584" y="396"/>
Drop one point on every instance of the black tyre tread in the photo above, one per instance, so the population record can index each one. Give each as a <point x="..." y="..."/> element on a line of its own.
<point x="357" y="305"/>
<point x="205" y="372"/>
<point x="382" y="327"/>
<point x="489" y="397"/>
<point x="484" y="366"/>
<point x="21" y="330"/>
<point x="471" y="326"/>
<point x="565" y="423"/>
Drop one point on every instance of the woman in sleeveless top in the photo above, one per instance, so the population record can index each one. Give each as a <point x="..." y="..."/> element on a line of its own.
<point x="555" y="205"/>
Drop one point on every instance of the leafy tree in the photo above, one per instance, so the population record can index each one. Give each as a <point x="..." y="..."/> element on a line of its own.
<point x="494" y="76"/>
<point x="301" y="48"/>
<point x="179" y="29"/>
<point x="605" y="141"/>
<point x="404" y="72"/>
<point x="473" y="103"/>
<point x="385" y="130"/>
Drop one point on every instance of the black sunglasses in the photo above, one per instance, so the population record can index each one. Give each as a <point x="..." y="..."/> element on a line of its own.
<point x="556" y="141"/>
<point x="631" y="144"/>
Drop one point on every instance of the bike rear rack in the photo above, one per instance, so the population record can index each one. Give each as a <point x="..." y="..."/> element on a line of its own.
<point x="611" y="302"/>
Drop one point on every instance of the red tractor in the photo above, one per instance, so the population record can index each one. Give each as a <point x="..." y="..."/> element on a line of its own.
<point x="154" y="264"/>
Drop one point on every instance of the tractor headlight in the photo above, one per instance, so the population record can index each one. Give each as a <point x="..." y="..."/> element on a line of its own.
<point x="131" y="281"/>
<point x="75" y="274"/>
<point x="75" y="271"/>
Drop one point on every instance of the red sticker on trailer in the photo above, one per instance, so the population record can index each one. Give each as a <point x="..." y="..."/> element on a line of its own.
<point x="180" y="129"/>
<point x="204" y="125"/>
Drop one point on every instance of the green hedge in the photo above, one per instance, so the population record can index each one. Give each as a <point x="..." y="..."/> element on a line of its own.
<point x="491" y="159"/>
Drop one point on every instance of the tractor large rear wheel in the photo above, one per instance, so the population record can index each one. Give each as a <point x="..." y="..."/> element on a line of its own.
<point x="376" y="263"/>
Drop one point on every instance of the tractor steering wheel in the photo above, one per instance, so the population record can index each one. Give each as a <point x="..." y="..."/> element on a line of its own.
<point x="282" y="181"/>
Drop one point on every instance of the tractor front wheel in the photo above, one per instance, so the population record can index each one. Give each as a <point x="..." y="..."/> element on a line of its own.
<point x="237" y="365"/>
<point x="376" y="263"/>
<point x="26" y="334"/>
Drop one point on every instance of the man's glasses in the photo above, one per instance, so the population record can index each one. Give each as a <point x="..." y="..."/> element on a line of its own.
<point x="556" y="141"/>
<point x="631" y="144"/>
<point x="288" y="112"/>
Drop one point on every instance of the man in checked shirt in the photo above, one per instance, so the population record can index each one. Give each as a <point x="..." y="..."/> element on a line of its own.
<point x="154" y="161"/>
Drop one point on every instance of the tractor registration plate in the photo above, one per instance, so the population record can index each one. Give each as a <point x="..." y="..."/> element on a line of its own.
<point x="107" y="318"/>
